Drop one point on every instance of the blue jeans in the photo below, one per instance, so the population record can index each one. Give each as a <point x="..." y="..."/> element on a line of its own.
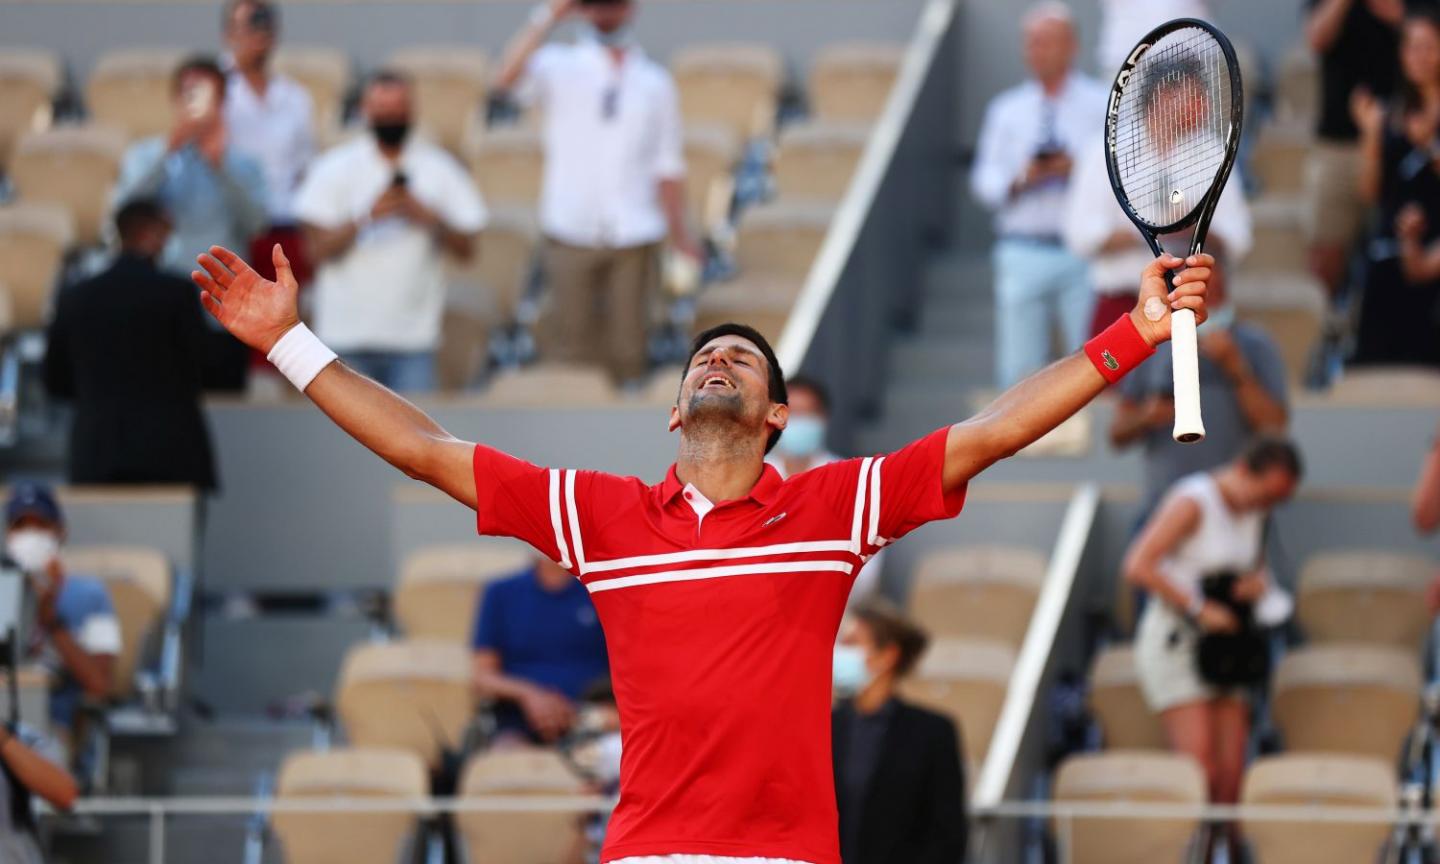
<point x="401" y="371"/>
<point x="1037" y="284"/>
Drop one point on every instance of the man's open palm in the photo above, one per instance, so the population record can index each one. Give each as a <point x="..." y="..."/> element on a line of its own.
<point x="255" y="310"/>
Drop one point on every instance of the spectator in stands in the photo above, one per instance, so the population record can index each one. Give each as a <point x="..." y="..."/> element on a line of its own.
<point x="1425" y="505"/>
<point x="75" y="632"/>
<point x="1242" y="385"/>
<point x="899" y="777"/>
<point x="1124" y="22"/>
<point x="271" y="121"/>
<point x="32" y="765"/>
<point x="213" y="193"/>
<point x="538" y="646"/>
<point x="1356" y="41"/>
<point x="127" y="346"/>
<point x="379" y="214"/>
<point x="803" y="446"/>
<point x="1028" y="140"/>
<point x="614" y="181"/>
<point x="1400" y="309"/>
<point x="1209" y="524"/>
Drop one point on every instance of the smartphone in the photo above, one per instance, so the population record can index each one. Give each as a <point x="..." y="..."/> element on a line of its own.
<point x="400" y="181"/>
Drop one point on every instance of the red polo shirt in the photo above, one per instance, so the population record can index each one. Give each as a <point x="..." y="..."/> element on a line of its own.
<point x="720" y="621"/>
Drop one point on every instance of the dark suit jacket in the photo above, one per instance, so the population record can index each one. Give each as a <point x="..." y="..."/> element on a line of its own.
<point x="914" y="810"/>
<point x="127" y="347"/>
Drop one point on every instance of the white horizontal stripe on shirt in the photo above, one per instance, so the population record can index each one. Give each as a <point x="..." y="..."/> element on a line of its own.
<point x="717" y="572"/>
<point x="663" y="558"/>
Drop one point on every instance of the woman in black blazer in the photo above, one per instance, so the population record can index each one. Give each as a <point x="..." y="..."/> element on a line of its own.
<point x="899" y="779"/>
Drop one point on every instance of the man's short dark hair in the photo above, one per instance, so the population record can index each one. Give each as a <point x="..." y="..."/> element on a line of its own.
<point x="136" y="215"/>
<point x="1274" y="452"/>
<point x="778" y="393"/>
<point x="889" y="626"/>
<point x="205" y="65"/>
<point x="263" y="11"/>
<point x="812" y="386"/>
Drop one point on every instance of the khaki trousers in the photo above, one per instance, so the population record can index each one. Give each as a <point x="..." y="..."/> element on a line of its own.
<point x="597" y="306"/>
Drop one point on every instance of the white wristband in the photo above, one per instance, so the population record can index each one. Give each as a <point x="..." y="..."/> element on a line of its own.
<point x="300" y="356"/>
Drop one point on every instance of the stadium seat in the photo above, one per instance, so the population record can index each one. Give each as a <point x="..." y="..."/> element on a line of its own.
<point x="450" y="82"/>
<point x="978" y="592"/>
<point x="965" y="679"/>
<point x="758" y="305"/>
<point x="29" y="79"/>
<point x="1279" y="160"/>
<point x="130" y="90"/>
<point x="508" y="165"/>
<point x="1395" y="386"/>
<point x="439" y="591"/>
<point x="816" y="161"/>
<point x="412" y="695"/>
<point x="550" y="384"/>
<point x="663" y="387"/>
<point x="1280" y="243"/>
<point x="1291" y="306"/>
<point x="1128" y="776"/>
<point x="733" y="84"/>
<point x="33" y="240"/>
<point x="502" y="269"/>
<point x="1347" y="698"/>
<point x="850" y="81"/>
<point x="75" y="167"/>
<point x="520" y="838"/>
<point x="325" y="73"/>
<point x="139" y="581"/>
<point x="777" y="243"/>
<point x="711" y="153"/>
<point x="1126" y="722"/>
<point x="1328" y="780"/>
<point x="1368" y="595"/>
<point x="348" y="838"/>
<point x="1297" y="88"/>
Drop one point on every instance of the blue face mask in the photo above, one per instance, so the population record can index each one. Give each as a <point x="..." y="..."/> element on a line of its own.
<point x="1221" y="319"/>
<point x="850" y="674"/>
<point x="617" y="38"/>
<point x="804" y="436"/>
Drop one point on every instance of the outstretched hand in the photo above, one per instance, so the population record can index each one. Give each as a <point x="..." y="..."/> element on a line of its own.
<point x="1152" y="319"/>
<point x="255" y="310"/>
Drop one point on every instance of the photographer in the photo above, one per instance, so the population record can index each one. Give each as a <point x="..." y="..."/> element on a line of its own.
<point x="31" y="766"/>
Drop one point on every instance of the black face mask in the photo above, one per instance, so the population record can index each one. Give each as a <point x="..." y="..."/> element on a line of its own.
<point x="390" y="134"/>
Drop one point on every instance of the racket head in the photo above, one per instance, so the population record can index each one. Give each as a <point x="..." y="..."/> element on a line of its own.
<point x="1172" y="127"/>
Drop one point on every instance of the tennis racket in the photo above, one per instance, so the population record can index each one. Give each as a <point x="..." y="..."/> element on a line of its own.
<point x="1172" y="127"/>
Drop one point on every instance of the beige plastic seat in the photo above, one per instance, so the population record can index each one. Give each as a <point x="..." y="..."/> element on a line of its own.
<point x="1392" y="386"/>
<point x="1280" y="243"/>
<point x="33" y="240"/>
<point x="75" y="167"/>
<point x="663" y="388"/>
<point x="817" y="161"/>
<point x="509" y="165"/>
<point x="485" y="291"/>
<point x="1129" y="776"/>
<point x="1290" y="305"/>
<point x="131" y="90"/>
<point x="550" y="384"/>
<point x="765" y="307"/>
<point x="520" y="838"/>
<point x="1279" y="160"/>
<point x="965" y="679"/>
<point x="978" y="591"/>
<point x="450" y="88"/>
<point x="439" y="591"/>
<point x="851" y="81"/>
<point x="734" y="84"/>
<point x="778" y="243"/>
<point x="1326" y="780"/>
<point x="412" y="695"/>
<point x="139" y="580"/>
<point x="1126" y="722"/>
<point x="1365" y="595"/>
<point x="348" y="838"/>
<point x="1346" y="697"/>
<point x="711" y="153"/>
<point x="29" y="79"/>
<point x="326" y="75"/>
<point x="1297" y="88"/>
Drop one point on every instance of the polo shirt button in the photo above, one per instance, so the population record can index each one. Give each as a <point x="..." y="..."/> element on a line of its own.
<point x="689" y="497"/>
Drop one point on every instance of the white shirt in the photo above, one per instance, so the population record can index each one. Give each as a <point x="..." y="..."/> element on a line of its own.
<point x="1019" y="123"/>
<point x="1223" y="539"/>
<point x="275" y="130"/>
<point x="1124" y="22"/>
<point x="387" y="291"/>
<point x="1092" y="215"/>
<point x="602" y="176"/>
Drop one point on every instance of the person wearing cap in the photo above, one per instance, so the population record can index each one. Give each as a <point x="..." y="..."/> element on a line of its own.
<point x="75" y="632"/>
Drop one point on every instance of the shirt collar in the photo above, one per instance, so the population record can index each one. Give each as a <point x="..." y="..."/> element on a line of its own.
<point x="763" y="492"/>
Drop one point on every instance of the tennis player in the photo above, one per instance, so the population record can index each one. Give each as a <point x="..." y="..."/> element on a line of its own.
<point x="721" y="587"/>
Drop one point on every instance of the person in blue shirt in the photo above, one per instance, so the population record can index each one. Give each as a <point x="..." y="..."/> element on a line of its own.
<point x="537" y="646"/>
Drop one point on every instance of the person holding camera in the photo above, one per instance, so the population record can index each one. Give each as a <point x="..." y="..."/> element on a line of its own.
<point x="1028" y="141"/>
<point x="1200" y="640"/>
<point x="379" y="214"/>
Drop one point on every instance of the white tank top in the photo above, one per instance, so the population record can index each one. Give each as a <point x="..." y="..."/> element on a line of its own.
<point x="1223" y="539"/>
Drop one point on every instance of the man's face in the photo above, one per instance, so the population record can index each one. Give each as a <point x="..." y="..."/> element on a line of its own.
<point x="804" y="403"/>
<point x="728" y="381"/>
<point x="1177" y="111"/>
<point x="250" y="35"/>
<point x="387" y="103"/>
<point x="1049" y="48"/>
<point x="197" y="96"/>
<point x="1420" y="53"/>
<point x="608" y="17"/>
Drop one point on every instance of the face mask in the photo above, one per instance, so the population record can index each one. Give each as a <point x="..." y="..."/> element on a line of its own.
<point x="32" y="549"/>
<point x="850" y="674"/>
<point x="1222" y="318"/>
<point x="390" y="134"/>
<point x="804" y="436"/>
<point x="617" y="38"/>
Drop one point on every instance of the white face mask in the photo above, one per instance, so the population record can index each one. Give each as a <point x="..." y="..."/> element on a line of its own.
<point x="32" y="549"/>
<point x="804" y="436"/>
<point x="850" y="674"/>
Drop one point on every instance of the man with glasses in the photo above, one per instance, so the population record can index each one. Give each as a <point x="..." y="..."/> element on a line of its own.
<point x="614" y="179"/>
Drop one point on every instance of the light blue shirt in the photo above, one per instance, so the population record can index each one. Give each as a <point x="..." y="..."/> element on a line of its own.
<point x="209" y="207"/>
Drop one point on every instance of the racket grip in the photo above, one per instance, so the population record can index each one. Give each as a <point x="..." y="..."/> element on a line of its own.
<point x="1186" y="360"/>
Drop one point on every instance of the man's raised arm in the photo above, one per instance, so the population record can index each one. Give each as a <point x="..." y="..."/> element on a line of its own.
<point x="1025" y="412"/>
<point x="259" y="312"/>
